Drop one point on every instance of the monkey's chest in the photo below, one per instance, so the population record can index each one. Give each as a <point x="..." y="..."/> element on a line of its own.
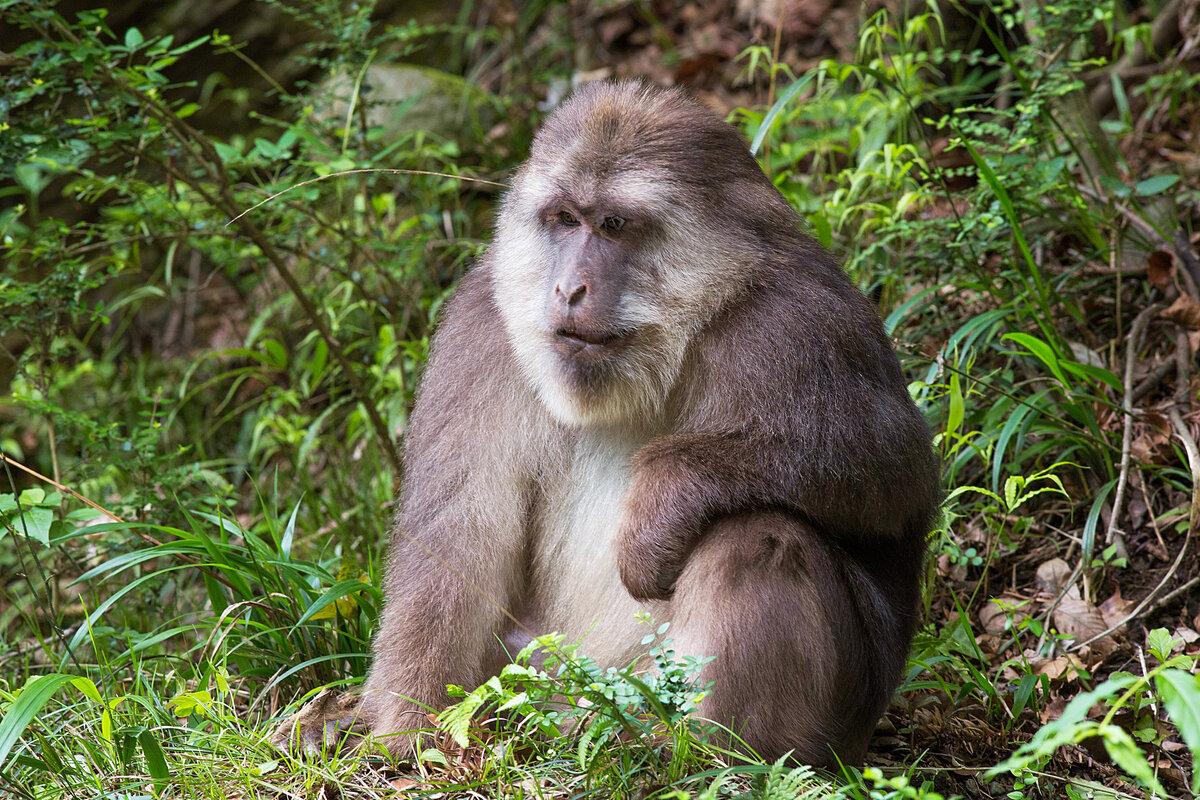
<point x="577" y="587"/>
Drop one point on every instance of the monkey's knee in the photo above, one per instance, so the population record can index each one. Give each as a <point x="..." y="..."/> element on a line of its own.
<point x="798" y="667"/>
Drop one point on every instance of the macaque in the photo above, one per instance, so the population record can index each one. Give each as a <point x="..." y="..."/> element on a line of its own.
<point x="656" y="393"/>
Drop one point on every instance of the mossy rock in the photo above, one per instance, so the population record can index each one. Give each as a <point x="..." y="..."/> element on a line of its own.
<point x="403" y="98"/>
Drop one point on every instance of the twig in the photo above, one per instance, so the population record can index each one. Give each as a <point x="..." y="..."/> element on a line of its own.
<point x="1153" y="379"/>
<point x="1193" y="457"/>
<point x="61" y="487"/>
<point x="1183" y="369"/>
<point x="1183" y="249"/>
<point x="1171" y="595"/>
<point x="1135" y="336"/>
<point x="359" y="172"/>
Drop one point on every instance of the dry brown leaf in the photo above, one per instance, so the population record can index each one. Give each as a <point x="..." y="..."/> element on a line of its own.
<point x="992" y="618"/>
<point x="1052" y="575"/>
<point x="1080" y="620"/>
<point x="1054" y="709"/>
<point x="995" y="612"/>
<point x="1184" y="311"/>
<point x="1115" y="609"/>
<point x="948" y="568"/>
<point x="1146" y="446"/>
<point x="1056" y="668"/>
<point x="1160" y="268"/>
<point x="404" y="783"/>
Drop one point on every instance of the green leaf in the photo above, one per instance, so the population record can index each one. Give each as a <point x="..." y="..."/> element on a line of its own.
<point x="956" y="412"/>
<point x="821" y="228"/>
<point x="156" y="762"/>
<point x="35" y="524"/>
<point x="276" y="355"/>
<point x="32" y="497"/>
<point x="1096" y="373"/>
<point x="456" y="720"/>
<point x="1160" y="642"/>
<point x="1181" y="696"/>
<point x="187" y="703"/>
<point x="133" y="38"/>
<point x="1043" y="351"/>
<point x="993" y="181"/>
<point x="1123" y="750"/>
<point x="1113" y="185"/>
<point x="773" y="114"/>
<point x="36" y="692"/>
<point x="1155" y="185"/>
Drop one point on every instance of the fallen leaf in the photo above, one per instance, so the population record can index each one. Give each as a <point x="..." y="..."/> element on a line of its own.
<point x="1056" y="668"/>
<point x="996" y="612"/>
<point x="1080" y="620"/>
<point x="404" y="783"/>
<point x="1188" y="635"/>
<point x="993" y="618"/>
<point x="1115" y="609"/>
<point x="1184" y="311"/>
<point x="948" y="568"/>
<point x="1054" y="709"/>
<point x="1160" y="268"/>
<point x="1086" y="355"/>
<point x="1052" y="575"/>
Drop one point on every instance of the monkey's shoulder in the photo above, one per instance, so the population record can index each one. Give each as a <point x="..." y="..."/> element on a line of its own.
<point x="470" y="342"/>
<point x="803" y="321"/>
<point x="472" y="377"/>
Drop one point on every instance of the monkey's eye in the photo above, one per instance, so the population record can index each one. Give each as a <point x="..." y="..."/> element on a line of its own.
<point x="614" y="224"/>
<point x="568" y="219"/>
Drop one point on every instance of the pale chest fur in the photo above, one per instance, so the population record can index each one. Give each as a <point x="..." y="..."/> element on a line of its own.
<point x="579" y="591"/>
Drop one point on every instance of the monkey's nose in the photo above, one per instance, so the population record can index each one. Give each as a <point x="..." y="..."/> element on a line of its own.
<point x="572" y="294"/>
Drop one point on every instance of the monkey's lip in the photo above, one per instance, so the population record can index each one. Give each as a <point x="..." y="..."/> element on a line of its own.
<point x="595" y="338"/>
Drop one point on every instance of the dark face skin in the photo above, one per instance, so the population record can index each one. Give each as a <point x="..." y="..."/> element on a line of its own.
<point x="593" y="249"/>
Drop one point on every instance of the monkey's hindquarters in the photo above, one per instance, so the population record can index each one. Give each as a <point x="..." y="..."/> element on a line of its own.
<point x="800" y="665"/>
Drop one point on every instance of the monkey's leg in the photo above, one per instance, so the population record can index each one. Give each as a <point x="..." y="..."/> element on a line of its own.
<point x="440" y="625"/>
<point x="807" y="649"/>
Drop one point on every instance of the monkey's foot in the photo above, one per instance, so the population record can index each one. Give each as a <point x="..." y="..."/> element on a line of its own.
<point x="321" y="725"/>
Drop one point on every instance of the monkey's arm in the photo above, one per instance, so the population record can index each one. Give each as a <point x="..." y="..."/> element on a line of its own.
<point x="682" y="483"/>
<point x="456" y="558"/>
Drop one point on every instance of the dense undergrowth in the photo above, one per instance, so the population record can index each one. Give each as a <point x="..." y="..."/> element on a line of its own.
<point x="209" y="344"/>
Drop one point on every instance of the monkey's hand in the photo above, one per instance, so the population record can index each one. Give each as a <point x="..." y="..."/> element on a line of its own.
<point x="662" y="516"/>
<point x="321" y="724"/>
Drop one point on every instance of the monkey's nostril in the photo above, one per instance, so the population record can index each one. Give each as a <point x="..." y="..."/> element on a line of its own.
<point x="572" y="294"/>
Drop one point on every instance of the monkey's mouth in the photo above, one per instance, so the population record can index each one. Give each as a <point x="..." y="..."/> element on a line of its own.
<point x="583" y="338"/>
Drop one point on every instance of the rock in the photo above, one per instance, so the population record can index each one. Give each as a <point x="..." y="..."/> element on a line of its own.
<point x="402" y="98"/>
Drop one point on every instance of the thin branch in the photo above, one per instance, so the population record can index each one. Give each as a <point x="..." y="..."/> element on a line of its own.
<point x="1153" y="379"/>
<point x="359" y="172"/>
<point x="61" y="487"/>
<point x="1135" y="337"/>
<point x="1183" y="249"/>
<point x="1193" y="457"/>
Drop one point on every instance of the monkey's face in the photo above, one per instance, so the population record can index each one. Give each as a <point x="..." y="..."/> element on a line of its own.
<point x="579" y="281"/>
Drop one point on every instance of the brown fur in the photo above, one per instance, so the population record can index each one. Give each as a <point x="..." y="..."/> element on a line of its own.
<point x="742" y="457"/>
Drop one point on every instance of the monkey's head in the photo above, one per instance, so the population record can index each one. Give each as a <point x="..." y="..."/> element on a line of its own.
<point x="638" y="216"/>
